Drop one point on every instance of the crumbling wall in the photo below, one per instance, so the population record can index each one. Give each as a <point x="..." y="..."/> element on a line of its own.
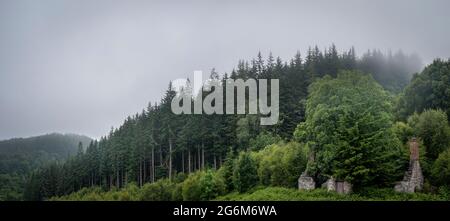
<point x="413" y="179"/>
<point x="338" y="186"/>
<point x="306" y="182"/>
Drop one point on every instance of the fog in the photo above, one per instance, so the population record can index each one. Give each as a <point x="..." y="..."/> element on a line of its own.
<point x="83" y="66"/>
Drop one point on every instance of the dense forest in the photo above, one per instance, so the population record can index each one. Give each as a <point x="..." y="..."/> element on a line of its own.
<point x="355" y="113"/>
<point x="20" y="156"/>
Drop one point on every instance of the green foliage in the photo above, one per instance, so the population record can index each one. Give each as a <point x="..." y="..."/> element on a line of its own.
<point x="288" y="194"/>
<point x="131" y="192"/>
<point x="177" y="194"/>
<point x="202" y="185"/>
<point x="158" y="191"/>
<point x="226" y="171"/>
<point x="428" y="90"/>
<point x="440" y="171"/>
<point x="20" y="156"/>
<point x="348" y="127"/>
<point x="403" y="131"/>
<point x="266" y="194"/>
<point x="245" y="172"/>
<point x="281" y="164"/>
<point x="263" y="139"/>
<point x="157" y="144"/>
<point x="11" y="187"/>
<point x="432" y="127"/>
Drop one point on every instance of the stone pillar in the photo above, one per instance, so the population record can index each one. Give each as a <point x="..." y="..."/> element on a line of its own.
<point x="413" y="179"/>
<point x="414" y="150"/>
<point x="347" y="187"/>
<point x="331" y="184"/>
<point x="306" y="182"/>
<point x="343" y="187"/>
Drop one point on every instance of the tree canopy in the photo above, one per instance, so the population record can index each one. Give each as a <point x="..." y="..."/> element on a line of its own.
<point x="348" y="129"/>
<point x="428" y="90"/>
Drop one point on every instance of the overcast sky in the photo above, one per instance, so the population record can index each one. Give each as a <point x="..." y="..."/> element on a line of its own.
<point x="84" y="66"/>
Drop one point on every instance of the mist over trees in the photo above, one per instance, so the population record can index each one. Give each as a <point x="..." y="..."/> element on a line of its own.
<point x="427" y="90"/>
<point x="20" y="156"/>
<point x="156" y="144"/>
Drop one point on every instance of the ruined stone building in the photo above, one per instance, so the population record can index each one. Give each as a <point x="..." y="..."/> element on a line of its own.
<point x="306" y="182"/>
<point x="413" y="179"/>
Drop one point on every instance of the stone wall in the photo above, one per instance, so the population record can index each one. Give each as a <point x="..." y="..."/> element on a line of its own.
<point x="306" y="182"/>
<point x="338" y="186"/>
<point x="413" y="179"/>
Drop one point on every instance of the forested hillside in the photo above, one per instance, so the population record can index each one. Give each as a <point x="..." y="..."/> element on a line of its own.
<point x="161" y="148"/>
<point x="20" y="156"/>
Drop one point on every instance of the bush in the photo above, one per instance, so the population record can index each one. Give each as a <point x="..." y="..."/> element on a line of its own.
<point x="403" y="131"/>
<point x="226" y="171"/>
<point x="177" y="194"/>
<point x="432" y="127"/>
<point x="202" y="185"/>
<point x="290" y="194"/>
<point x="281" y="164"/>
<point x="160" y="190"/>
<point x="440" y="171"/>
<point x="245" y="172"/>
<point x="130" y="193"/>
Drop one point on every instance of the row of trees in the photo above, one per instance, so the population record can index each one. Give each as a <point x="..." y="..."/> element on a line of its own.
<point x="348" y="134"/>
<point x="277" y="165"/>
<point x="20" y="156"/>
<point x="156" y="143"/>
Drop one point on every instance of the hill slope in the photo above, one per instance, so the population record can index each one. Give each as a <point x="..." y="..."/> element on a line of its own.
<point x="19" y="156"/>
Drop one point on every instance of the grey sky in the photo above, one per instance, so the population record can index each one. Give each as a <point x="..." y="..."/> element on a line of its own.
<point x="82" y="66"/>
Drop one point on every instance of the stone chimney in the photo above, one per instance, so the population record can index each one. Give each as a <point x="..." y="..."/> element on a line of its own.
<point x="413" y="179"/>
<point x="413" y="149"/>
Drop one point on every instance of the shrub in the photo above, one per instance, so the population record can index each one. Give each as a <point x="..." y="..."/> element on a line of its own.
<point x="202" y="185"/>
<point x="432" y="127"/>
<point x="161" y="190"/>
<point x="177" y="194"/>
<point x="440" y="171"/>
<point x="245" y="172"/>
<point x="403" y="131"/>
<point x="226" y="172"/>
<point x="281" y="164"/>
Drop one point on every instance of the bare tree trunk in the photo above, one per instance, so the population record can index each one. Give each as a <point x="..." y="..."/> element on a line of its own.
<point x="189" y="161"/>
<point x="117" y="180"/>
<point x="160" y="156"/>
<point x="194" y="164"/>
<point x="126" y="178"/>
<point x="199" y="157"/>
<point x="153" y="165"/>
<point x="215" y="163"/>
<point x="140" y="174"/>
<point x="203" y="156"/>
<point x="170" y="159"/>
<point x="145" y="171"/>
<point x="182" y="160"/>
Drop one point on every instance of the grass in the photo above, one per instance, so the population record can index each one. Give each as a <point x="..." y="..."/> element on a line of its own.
<point x="290" y="194"/>
<point x="261" y="193"/>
